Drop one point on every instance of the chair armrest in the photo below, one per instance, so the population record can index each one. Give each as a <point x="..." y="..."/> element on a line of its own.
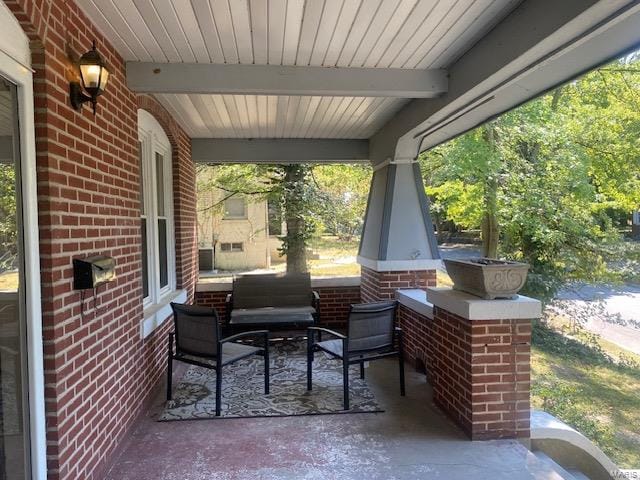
<point x="315" y="303"/>
<point x="171" y="341"/>
<point x="330" y="332"/>
<point x="228" y="306"/>
<point x="237" y="336"/>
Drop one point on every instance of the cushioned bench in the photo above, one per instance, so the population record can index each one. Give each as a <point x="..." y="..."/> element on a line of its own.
<point x="272" y="300"/>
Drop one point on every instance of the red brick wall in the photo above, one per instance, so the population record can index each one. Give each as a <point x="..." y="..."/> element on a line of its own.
<point x="417" y="331"/>
<point x="334" y="303"/>
<point x="213" y="299"/>
<point x="98" y="372"/>
<point x="376" y="286"/>
<point x="479" y="370"/>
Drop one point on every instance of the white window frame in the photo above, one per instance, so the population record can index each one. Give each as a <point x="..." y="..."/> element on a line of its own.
<point x="15" y="65"/>
<point x="154" y="140"/>
<point x="231" y="247"/>
<point x="245" y="214"/>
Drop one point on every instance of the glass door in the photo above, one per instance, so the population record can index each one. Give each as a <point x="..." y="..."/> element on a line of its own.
<point x="14" y="421"/>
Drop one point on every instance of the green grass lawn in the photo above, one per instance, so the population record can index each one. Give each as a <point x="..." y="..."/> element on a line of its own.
<point x="336" y="258"/>
<point x="9" y="281"/>
<point x="329" y="246"/>
<point x="592" y="385"/>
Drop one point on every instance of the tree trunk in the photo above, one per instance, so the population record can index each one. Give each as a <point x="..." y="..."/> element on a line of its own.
<point x="490" y="226"/>
<point x="490" y="223"/>
<point x="439" y="230"/>
<point x="295" y="238"/>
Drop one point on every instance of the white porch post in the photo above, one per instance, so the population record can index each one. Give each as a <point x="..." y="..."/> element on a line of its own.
<point x="398" y="248"/>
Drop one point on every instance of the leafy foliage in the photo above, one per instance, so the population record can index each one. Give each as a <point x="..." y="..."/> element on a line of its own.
<point x="343" y="193"/>
<point x="554" y="175"/>
<point x="8" y="226"/>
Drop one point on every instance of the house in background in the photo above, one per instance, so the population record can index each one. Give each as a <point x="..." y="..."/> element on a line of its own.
<point x="242" y="235"/>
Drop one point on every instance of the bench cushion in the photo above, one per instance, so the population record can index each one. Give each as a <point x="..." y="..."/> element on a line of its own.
<point x="272" y="290"/>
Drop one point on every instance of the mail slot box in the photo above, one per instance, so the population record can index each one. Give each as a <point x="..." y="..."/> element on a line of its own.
<point x="93" y="271"/>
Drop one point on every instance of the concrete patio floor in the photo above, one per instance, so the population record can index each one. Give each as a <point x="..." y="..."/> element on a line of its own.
<point x="410" y="440"/>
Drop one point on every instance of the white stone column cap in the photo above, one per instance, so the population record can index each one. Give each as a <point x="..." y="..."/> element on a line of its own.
<point x="471" y="307"/>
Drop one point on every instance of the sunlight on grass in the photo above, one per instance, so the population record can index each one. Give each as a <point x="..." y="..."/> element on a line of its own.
<point x="443" y="279"/>
<point x="334" y="257"/>
<point x="9" y="281"/>
<point x="591" y="385"/>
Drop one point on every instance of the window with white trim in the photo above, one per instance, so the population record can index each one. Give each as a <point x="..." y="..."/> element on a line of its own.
<point x="158" y="246"/>
<point x="235" y="208"/>
<point x="232" y="247"/>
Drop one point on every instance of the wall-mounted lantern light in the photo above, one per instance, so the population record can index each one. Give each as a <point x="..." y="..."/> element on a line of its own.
<point x="93" y="76"/>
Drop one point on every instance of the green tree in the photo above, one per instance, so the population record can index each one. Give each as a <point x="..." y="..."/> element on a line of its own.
<point x="545" y="181"/>
<point x="343" y="192"/>
<point x="8" y="226"/>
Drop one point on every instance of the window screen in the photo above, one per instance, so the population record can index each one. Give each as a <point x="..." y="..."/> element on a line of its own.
<point x="235" y="207"/>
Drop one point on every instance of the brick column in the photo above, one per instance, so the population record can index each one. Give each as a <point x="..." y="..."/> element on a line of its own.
<point x="480" y="362"/>
<point x="375" y="286"/>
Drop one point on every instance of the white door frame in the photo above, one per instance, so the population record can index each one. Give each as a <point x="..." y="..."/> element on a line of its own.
<point x="21" y="75"/>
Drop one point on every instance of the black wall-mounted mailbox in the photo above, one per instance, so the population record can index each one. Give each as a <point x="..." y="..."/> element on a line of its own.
<point x="93" y="271"/>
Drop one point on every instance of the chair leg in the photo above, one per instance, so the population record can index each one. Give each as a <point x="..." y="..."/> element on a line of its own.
<point x="345" y="374"/>
<point x="309" y="359"/>
<point x="401" y="366"/>
<point x="169" y="366"/>
<point x="218" y="389"/>
<point x="266" y="367"/>
<point x="362" y="370"/>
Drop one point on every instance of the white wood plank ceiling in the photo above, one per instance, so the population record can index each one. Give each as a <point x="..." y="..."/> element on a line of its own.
<point x="270" y="116"/>
<point x="412" y="34"/>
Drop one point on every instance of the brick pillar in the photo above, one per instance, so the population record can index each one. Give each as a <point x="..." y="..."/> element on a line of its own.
<point x="375" y="286"/>
<point x="480" y="362"/>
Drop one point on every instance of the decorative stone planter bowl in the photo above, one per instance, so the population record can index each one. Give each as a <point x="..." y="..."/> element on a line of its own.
<point x="487" y="278"/>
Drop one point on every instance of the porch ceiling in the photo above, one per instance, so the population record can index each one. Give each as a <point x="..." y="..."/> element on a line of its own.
<point x="267" y="68"/>
<point x="271" y="116"/>
<point x="382" y="34"/>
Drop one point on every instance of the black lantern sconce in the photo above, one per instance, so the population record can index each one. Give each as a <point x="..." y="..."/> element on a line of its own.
<point x="93" y="78"/>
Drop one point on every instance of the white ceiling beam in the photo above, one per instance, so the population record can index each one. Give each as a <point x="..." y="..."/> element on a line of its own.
<point x="284" y="80"/>
<point x="529" y="52"/>
<point x="279" y="150"/>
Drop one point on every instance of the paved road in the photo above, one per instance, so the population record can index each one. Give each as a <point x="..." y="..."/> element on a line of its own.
<point x="621" y="300"/>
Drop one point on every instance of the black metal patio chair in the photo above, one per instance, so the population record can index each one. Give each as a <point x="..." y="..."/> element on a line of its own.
<point x="371" y="335"/>
<point x="198" y="341"/>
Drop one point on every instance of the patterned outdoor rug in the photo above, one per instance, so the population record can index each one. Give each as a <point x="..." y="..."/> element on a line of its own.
<point x="243" y="384"/>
